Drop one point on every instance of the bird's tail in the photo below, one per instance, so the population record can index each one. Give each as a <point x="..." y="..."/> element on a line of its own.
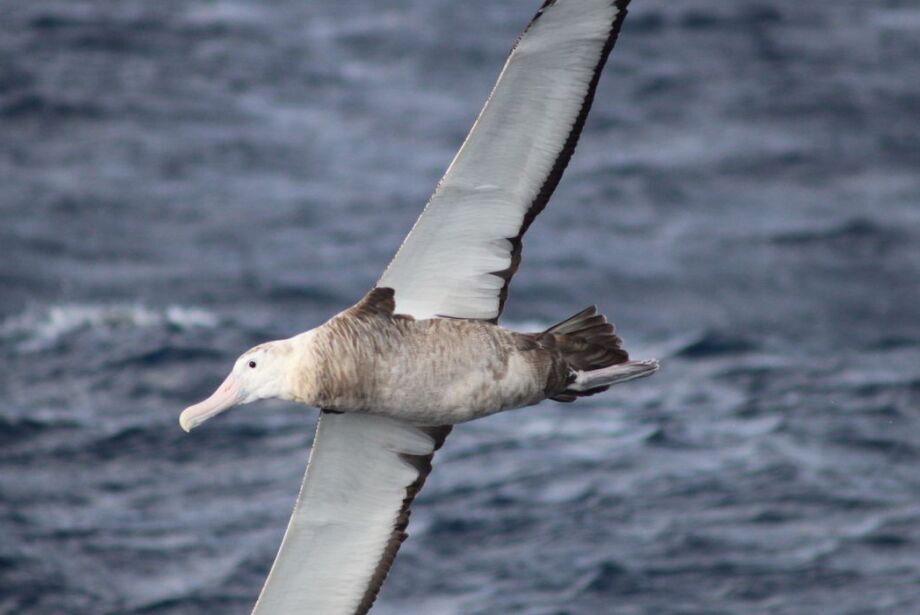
<point x="597" y="380"/>
<point x="594" y="352"/>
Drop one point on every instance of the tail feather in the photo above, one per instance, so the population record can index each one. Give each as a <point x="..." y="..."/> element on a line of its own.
<point x="594" y="353"/>
<point x="586" y="340"/>
<point x="595" y="381"/>
<point x="584" y="319"/>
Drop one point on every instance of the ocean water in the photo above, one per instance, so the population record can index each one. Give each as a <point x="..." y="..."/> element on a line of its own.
<point x="182" y="179"/>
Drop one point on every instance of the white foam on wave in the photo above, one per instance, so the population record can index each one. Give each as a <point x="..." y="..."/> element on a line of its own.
<point x="36" y="330"/>
<point x="225" y="14"/>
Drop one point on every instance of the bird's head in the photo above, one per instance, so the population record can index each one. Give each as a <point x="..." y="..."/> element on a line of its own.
<point x="259" y="373"/>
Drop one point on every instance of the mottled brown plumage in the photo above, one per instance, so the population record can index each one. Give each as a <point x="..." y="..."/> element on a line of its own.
<point x="369" y="359"/>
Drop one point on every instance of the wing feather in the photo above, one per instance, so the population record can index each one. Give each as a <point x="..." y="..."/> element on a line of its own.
<point x="351" y="515"/>
<point x="460" y="256"/>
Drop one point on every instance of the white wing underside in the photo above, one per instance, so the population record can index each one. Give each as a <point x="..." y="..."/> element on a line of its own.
<point x="445" y="266"/>
<point x="343" y="522"/>
<point x="364" y="470"/>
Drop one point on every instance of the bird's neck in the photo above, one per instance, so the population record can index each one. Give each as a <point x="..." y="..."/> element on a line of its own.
<point x="302" y="378"/>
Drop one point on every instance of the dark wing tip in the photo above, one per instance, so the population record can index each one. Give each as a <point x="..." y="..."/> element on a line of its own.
<point x="565" y="154"/>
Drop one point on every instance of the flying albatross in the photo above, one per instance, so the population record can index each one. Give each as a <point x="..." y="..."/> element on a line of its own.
<point x="422" y="350"/>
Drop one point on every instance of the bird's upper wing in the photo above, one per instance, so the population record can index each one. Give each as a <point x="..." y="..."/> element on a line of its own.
<point x="351" y="514"/>
<point x="459" y="257"/>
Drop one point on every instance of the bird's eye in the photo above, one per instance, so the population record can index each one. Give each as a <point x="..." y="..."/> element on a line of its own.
<point x="252" y="364"/>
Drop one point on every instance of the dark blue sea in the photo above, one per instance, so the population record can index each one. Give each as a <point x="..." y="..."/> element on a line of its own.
<point x="183" y="179"/>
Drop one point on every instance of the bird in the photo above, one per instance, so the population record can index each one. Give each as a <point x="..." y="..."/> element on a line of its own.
<point x="423" y="351"/>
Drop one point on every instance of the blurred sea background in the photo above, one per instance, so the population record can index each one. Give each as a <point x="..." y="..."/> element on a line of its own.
<point x="182" y="179"/>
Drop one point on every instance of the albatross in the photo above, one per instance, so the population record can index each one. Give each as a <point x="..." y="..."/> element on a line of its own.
<point x="423" y="351"/>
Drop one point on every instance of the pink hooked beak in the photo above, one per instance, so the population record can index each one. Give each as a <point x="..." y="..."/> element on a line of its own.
<point x="225" y="397"/>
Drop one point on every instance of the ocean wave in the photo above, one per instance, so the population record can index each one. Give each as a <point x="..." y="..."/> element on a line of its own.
<point x="225" y="15"/>
<point x="37" y="330"/>
<point x="30" y="103"/>
<point x="853" y="230"/>
<point x="711" y="343"/>
<point x="15" y="429"/>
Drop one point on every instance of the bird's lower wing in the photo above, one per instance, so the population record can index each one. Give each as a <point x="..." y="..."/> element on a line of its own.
<point x="351" y="514"/>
